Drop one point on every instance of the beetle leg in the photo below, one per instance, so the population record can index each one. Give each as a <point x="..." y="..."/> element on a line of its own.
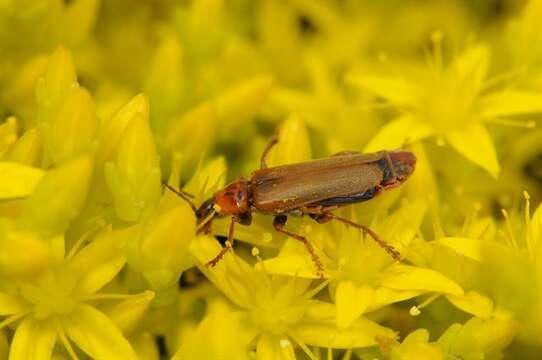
<point x="272" y="142"/>
<point x="226" y="248"/>
<point x="279" y="222"/>
<point x="326" y="216"/>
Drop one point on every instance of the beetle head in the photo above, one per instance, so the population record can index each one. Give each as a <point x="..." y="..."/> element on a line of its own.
<point x="403" y="162"/>
<point x="233" y="199"/>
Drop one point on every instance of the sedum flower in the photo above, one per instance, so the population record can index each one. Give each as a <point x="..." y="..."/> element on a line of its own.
<point x="58" y="305"/>
<point x="66" y="118"/>
<point x="134" y="177"/>
<point x="274" y="312"/>
<point x="452" y="102"/>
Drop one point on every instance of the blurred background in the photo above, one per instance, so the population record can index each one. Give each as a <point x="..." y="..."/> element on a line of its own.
<point x="222" y="75"/>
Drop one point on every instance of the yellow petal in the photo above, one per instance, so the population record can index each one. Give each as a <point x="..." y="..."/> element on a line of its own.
<point x="511" y="102"/>
<point x="27" y="150"/>
<point x="294" y="145"/>
<point x="33" y="340"/>
<point x="98" y="263"/>
<point x="406" y="277"/>
<point x="320" y="331"/>
<point x="385" y="296"/>
<point x="165" y="82"/>
<point x="96" y="334"/>
<point x="58" y="198"/>
<point x="475" y="144"/>
<point x="212" y="342"/>
<point x="59" y="80"/>
<point x="241" y="102"/>
<point x="471" y="248"/>
<point x="351" y="301"/>
<point x="473" y="303"/>
<point x="127" y="314"/>
<point x="394" y="89"/>
<point x="8" y="135"/>
<point x="72" y="129"/>
<point x="208" y="178"/>
<point x="11" y="304"/>
<point x="79" y="19"/>
<point x="18" y="180"/>
<point x="273" y="347"/>
<point x="187" y="135"/>
<point x="134" y="178"/>
<point x="399" y="132"/>
<point x="22" y="253"/>
<point x="113" y="129"/>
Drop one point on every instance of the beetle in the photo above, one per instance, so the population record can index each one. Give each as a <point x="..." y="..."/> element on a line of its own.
<point x="314" y="188"/>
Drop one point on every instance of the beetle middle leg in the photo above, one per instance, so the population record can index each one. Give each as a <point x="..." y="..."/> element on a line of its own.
<point x="226" y="248"/>
<point x="279" y="222"/>
<point x="325" y="216"/>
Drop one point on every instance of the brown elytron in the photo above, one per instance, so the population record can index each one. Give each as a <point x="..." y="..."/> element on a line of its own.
<point x="313" y="188"/>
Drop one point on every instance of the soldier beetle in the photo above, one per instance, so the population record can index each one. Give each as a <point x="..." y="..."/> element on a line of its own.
<point x="314" y="188"/>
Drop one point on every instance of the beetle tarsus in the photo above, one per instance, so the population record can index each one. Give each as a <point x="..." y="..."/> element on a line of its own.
<point x="279" y="222"/>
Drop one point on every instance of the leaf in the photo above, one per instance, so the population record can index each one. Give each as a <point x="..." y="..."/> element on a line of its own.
<point x="475" y="144"/>
<point x="18" y="180"/>
<point x="407" y="277"/>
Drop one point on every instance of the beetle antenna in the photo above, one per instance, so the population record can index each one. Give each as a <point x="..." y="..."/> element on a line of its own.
<point x="182" y="194"/>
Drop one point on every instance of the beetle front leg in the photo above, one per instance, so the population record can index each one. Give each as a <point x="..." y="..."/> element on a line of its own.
<point x="279" y="222"/>
<point x="227" y="247"/>
<point x="272" y="142"/>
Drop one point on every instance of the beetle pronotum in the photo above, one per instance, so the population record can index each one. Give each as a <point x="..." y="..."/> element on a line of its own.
<point x="313" y="188"/>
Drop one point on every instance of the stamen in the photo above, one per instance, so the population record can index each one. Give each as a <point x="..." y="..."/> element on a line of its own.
<point x="302" y="345"/>
<point x="256" y="254"/>
<point x="75" y="248"/>
<point x="309" y="294"/>
<point x="511" y="238"/>
<point x="528" y="234"/>
<point x="513" y="123"/>
<point x="416" y="310"/>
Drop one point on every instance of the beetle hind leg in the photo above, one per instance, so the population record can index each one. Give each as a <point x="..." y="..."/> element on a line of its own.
<point x="279" y="222"/>
<point x="327" y="216"/>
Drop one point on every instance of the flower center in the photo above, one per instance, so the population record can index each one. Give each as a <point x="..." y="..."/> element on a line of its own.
<point x="53" y="294"/>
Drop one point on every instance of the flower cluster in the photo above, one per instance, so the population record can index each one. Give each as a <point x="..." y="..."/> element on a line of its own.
<point x="104" y="103"/>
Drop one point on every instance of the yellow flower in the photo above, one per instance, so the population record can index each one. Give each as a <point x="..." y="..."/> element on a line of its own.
<point x="57" y="304"/>
<point x="275" y="312"/>
<point x="451" y="102"/>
